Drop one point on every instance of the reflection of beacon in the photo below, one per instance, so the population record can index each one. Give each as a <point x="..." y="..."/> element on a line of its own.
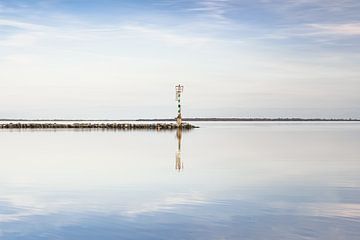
<point x="179" y="164"/>
<point x="179" y="89"/>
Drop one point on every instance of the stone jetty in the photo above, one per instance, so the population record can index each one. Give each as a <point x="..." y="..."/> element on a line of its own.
<point x="123" y="126"/>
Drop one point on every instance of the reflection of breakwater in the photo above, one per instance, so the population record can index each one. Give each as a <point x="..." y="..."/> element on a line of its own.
<point x="130" y="126"/>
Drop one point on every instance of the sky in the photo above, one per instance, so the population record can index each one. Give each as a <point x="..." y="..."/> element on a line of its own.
<point x="113" y="59"/>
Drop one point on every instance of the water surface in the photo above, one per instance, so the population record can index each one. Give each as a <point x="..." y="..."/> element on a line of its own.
<point x="225" y="180"/>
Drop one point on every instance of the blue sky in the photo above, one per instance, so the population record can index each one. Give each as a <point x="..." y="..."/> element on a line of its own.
<point x="121" y="59"/>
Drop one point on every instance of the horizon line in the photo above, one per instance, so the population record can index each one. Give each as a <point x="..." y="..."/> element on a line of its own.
<point x="195" y="119"/>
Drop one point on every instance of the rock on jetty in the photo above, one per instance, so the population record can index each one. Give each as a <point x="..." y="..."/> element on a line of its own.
<point x="124" y="126"/>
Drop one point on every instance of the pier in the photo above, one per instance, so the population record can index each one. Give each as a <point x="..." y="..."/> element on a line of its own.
<point x="124" y="126"/>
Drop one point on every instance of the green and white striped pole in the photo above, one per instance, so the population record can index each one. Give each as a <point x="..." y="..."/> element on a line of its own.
<point x="179" y="89"/>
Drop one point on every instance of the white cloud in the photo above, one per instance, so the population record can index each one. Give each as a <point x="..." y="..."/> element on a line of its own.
<point x="29" y="33"/>
<point x="200" y="50"/>
<point x="214" y="8"/>
<point x="346" y="29"/>
<point x="23" y="25"/>
<point x="166" y="36"/>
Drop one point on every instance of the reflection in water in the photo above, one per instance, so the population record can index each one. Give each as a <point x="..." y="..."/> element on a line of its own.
<point x="179" y="165"/>
<point x="259" y="181"/>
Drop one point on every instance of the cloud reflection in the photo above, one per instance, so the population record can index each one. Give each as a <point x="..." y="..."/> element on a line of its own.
<point x="259" y="181"/>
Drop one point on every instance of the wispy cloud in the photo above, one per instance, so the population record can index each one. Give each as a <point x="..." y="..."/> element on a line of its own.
<point x="346" y="29"/>
<point x="204" y="33"/>
<point x="23" y="34"/>
<point x="29" y="33"/>
<point x="166" y="36"/>
<point x="313" y="32"/>
<point x="303" y="8"/>
<point x="6" y="9"/>
<point x="22" y="25"/>
<point x="213" y="8"/>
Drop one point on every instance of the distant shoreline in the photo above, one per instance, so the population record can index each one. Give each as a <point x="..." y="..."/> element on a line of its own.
<point x="260" y="119"/>
<point x="194" y="119"/>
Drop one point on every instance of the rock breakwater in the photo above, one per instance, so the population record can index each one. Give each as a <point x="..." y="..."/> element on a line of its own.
<point x="154" y="126"/>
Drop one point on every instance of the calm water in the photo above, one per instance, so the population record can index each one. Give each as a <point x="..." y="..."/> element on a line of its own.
<point x="221" y="181"/>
